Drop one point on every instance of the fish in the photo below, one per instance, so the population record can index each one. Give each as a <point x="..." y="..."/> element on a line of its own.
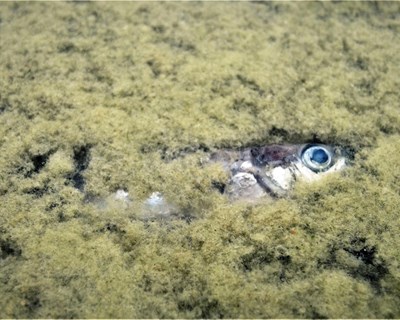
<point x="254" y="173"/>
<point x="272" y="170"/>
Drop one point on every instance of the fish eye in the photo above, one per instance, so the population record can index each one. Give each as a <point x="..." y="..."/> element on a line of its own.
<point x="317" y="158"/>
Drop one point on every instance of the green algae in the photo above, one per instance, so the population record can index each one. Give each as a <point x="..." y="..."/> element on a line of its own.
<point x="107" y="96"/>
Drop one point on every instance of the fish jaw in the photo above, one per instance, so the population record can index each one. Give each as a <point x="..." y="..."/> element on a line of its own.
<point x="301" y="172"/>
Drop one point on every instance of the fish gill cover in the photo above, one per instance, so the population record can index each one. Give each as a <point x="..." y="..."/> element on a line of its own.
<point x="128" y="98"/>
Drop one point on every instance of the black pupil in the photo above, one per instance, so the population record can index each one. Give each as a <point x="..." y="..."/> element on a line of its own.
<point x="319" y="156"/>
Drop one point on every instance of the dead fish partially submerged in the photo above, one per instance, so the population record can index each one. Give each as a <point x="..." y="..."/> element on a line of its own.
<point x="273" y="169"/>
<point x="255" y="173"/>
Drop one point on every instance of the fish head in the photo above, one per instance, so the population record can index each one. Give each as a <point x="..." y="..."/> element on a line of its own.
<point x="272" y="170"/>
<point x="308" y="162"/>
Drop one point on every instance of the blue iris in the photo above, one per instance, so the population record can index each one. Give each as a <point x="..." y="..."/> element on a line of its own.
<point x="319" y="156"/>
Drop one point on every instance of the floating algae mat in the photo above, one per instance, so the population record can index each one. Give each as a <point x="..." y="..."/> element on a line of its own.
<point x="106" y="108"/>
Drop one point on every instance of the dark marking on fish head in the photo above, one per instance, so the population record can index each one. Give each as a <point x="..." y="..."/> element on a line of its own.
<point x="273" y="154"/>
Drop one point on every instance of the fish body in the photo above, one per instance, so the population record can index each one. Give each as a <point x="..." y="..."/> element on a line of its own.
<point x="272" y="170"/>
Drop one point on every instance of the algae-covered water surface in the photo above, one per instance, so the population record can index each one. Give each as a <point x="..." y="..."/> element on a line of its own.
<point x="100" y="97"/>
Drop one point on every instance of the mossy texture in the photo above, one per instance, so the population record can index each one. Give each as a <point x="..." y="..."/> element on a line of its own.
<point x="96" y="97"/>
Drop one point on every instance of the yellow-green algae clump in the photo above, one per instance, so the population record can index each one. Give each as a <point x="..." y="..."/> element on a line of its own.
<point x="96" y="97"/>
